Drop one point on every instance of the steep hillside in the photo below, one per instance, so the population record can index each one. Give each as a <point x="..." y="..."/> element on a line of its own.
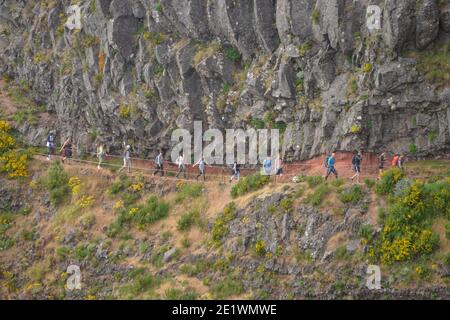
<point x="140" y="237"/>
<point x="136" y="70"/>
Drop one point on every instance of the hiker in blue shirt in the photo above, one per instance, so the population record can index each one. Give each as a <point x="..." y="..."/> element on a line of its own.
<point x="267" y="166"/>
<point x="330" y="166"/>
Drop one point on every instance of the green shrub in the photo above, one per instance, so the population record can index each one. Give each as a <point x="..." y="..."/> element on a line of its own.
<point x="158" y="7"/>
<point x="389" y="179"/>
<point x="412" y="148"/>
<point x="82" y="251"/>
<point x="338" y="182"/>
<point x="341" y="252"/>
<point x="315" y="16"/>
<point x="318" y="195"/>
<point x="229" y="212"/>
<point x="280" y="125"/>
<point x="314" y="181"/>
<point x="233" y="54"/>
<point x="188" y="191"/>
<point x="353" y="195"/>
<point x="434" y="65"/>
<point x="286" y="205"/>
<point x="249" y="184"/>
<point x="370" y="183"/>
<point x="257" y="123"/>
<point x="57" y="183"/>
<point x="151" y="212"/>
<point x="178" y="294"/>
<point x="305" y="47"/>
<point x="62" y="252"/>
<point x="188" y="219"/>
<point x="28" y="235"/>
<point x="143" y="281"/>
<point x="130" y="198"/>
<point x="220" y="226"/>
<point x="447" y="230"/>
<point x="121" y="184"/>
<point x="365" y="232"/>
<point x="230" y="286"/>
<point x="447" y="259"/>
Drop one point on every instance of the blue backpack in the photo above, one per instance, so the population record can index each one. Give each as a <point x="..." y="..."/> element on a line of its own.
<point x="326" y="161"/>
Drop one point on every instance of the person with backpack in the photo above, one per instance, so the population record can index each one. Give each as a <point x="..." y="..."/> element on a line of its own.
<point x="181" y="166"/>
<point x="126" y="159"/>
<point x="279" y="166"/>
<point x="159" y="164"/>
<point x="100" y="155"/>
<point x="235" y="171"/>
<point x="66" y="150"/>
<point x="394" y="162"/>
<point x="330" y="166"/>
<point x="201" y="168"/>
<point x="50" y="144"/>
<point x="356" y="165"/>
<point x="381" y="162"/>
<point x="267" y="166"/>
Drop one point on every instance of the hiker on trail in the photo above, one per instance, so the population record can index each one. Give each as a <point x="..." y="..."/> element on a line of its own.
<point x="201" y="168"/>
<point x="126" y="159"/>
<point x="235" y="171"/>
<point x="50" y="144"/>
<point x="267" y="166"/>
<point x="100" y="155"/>
<point x="381" y="161"/>
<point x="181" y="166"/>
<point x="159" y="164"/>
<point x="330" y="166"/>
<point x="279" y="166"/>
<point x="66" y="150"/>
<point x="395" y="160"/>
<point x="356" y="165"/>
<point x="401" y="161"/>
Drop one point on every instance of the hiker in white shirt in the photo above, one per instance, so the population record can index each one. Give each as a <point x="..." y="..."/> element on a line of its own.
<point x="181" y="166"/>
<point x="201" y="168"/>
<point x="159" y="164"/>
<point x="126" y="159"/>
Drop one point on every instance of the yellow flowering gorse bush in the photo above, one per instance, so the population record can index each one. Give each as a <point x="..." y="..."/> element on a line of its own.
<point x="75" y="185"/>
<point x="85" y="201"/>
<point x="13" y="162"/>
<point x="407" y="232"/>
<point x="136" y="187"/>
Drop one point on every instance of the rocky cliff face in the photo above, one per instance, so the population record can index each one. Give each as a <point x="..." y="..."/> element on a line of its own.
<point x="139" y="69"/>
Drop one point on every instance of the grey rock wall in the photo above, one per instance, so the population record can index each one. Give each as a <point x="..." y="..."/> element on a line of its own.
<point x="139" y="69"/>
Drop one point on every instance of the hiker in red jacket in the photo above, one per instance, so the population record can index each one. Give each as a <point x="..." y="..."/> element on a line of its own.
<point x="395" y="160"/>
